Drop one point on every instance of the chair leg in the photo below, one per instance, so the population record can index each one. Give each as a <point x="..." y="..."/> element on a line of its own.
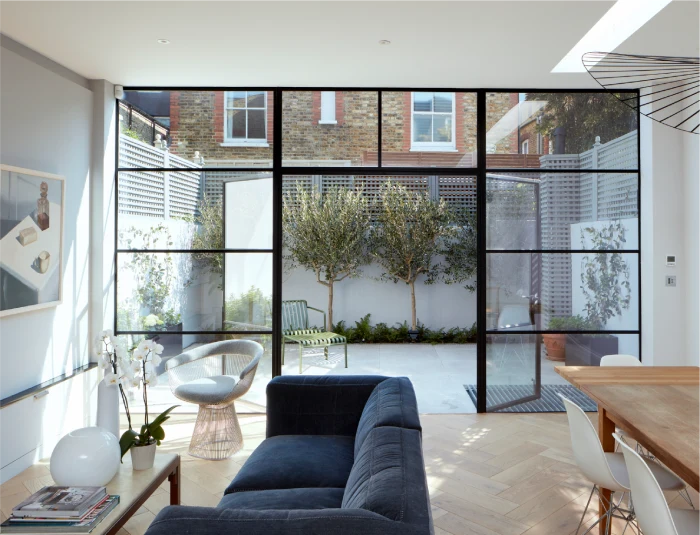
<point x="325" y="352"/>
<point x="686" y="496"/>
<point x="217" y="434"/>
<point x="283" y="344"/>
<point x="346" y="354"/>
<point x="583" y="515"/>
<point x="301" y="353"/>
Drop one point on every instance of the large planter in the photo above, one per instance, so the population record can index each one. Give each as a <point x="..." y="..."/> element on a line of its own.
<point x="142" y="457"/>
<point x="556" y="346"/>
<point x="587" y="349"/>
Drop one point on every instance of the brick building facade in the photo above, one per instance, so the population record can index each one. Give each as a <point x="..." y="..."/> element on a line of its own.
<point x="332" y="128"/>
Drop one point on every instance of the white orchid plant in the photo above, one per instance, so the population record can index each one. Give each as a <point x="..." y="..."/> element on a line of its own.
<point x="135" y="371"/>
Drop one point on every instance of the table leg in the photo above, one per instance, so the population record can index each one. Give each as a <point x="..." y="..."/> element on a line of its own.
<point x="174" y="479"/>
<point x="606" y="428"/>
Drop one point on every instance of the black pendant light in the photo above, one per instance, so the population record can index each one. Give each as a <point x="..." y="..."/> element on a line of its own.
<point x="669" y="87"/>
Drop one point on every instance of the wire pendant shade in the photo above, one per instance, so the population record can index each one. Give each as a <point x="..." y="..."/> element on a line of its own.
<point x="669" y="87"/>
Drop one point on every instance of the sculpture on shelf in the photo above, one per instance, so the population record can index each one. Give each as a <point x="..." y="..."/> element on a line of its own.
<point x="27" y="236"/>
<point x="43" y="261"/>
<point x="668" y="85"/>
<point x="42" y="207"/>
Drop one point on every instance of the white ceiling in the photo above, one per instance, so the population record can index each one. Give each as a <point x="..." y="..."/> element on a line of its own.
<point x="331" y="43"/>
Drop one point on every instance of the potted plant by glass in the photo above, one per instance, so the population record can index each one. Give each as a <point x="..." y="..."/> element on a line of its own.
<point x="143" y="444"/>
<point x="555" y="343"/>
<point x="606" y="288"/>
<point x="138" y="371"/>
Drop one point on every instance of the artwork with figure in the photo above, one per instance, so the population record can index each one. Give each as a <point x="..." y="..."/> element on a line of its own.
<point x="31" y="237"/>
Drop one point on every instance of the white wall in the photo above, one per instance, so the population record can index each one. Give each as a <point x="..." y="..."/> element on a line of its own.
<point x="437" y="305"/>
<point x="47" y="126"/>
<point x="665" y="321"/>
<point x="691" y="246"/>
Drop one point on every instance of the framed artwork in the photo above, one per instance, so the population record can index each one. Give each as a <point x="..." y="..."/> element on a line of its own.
<point x="31" y="239"/>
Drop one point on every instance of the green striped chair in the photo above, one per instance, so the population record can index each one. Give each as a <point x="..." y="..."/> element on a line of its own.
<point x="295" y="328"/>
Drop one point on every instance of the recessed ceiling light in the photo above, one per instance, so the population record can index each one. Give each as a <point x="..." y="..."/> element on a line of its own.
<point x="384" y="42"/>
<point x="163" y="41"/>
<point x="623" y="19"/>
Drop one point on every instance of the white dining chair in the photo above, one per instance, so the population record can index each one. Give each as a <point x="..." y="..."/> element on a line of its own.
<point x="620" y="360"/>
<point x="606" y="469"/>
<point x="631" y="360"/>
<point x="652" y="512"/>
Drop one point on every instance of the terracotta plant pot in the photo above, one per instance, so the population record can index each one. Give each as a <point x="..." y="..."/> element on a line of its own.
<point x="556" y="346"/>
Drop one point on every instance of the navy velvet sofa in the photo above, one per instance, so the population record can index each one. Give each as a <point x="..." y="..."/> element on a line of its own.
<point x="342" y="456"/>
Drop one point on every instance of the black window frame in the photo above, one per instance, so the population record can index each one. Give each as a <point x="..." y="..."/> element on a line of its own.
<point x="278" y="171"/>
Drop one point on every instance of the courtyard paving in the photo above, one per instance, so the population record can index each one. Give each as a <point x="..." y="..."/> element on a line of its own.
<point x="438" y="373"/>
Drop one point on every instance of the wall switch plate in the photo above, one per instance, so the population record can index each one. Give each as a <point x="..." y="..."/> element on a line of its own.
<point x="670" y="280"/>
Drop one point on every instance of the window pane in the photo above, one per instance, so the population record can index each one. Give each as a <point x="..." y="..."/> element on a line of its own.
<point x="445" y="137"/>
<point x="422" y="101"/>
<point x="442" y="128"/>
<point x="200" y="128"/>
<point x="161" y="291"/>
<point x="570" y="210"/>
<point x="186" y="291"/>
<point x="511" y="362"/>
<point x="350" y="142"/>
<point x="150" y="218"/>
<point x="563" y="291"/>
<point x="248" y="291"/>
<point x="256" y="124"/>
<point x="248" y="209"/>
<point x="190" y="215"/>
<point x="576" y="130"/>
<point x="237" y="123"/>
<point x="443" y="102"/>
<point x="256" y="99"/>
<point x="237" y="99"/>
<point x="422" y="126"/>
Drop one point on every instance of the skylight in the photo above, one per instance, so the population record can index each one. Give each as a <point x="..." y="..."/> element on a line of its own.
<point x="623" y="19"/>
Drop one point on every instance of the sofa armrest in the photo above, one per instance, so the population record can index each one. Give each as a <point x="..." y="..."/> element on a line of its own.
<point x="317" y="404"/>
<point x="184" y="520"/>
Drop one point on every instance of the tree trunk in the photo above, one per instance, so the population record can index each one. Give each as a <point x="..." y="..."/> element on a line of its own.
<point x="412" y="284"/>
<point x="329" y="326"/>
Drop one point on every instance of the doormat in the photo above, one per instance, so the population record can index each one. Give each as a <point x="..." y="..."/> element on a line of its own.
<point x="548" y="402"/>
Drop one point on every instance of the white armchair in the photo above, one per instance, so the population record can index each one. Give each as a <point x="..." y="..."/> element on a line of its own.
<point x="214" y="376"/>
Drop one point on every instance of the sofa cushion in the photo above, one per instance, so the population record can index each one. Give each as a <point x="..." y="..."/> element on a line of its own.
<point x="388" y="477"/>
<point x="321" y="498"/>
<point x="391" y="403"/>
<point x="296" y="461"/>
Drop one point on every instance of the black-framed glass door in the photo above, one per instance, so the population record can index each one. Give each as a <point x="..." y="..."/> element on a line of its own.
<point x="560" y="251"/>
<point x="556" y="203"/>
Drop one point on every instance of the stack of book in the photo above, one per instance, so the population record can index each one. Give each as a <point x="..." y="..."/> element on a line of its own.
<point x="61" y="510"/>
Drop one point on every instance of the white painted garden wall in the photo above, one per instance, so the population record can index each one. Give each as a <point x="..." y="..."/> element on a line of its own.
<point x="629" y="319"/>
<point x="437" y="305"/>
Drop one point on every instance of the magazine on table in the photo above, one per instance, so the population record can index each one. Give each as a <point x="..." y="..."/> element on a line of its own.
<point x="49" y="525"/>
<point x="52" y="502"/>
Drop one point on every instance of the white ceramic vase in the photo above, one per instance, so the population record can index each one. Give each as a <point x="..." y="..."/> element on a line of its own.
<point x="142" y="457"/>
<point x="85" y="457"/>
<point x="108" y="408"/>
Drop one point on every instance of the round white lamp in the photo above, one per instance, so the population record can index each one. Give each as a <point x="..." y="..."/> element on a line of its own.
<point x="87" y="457"/>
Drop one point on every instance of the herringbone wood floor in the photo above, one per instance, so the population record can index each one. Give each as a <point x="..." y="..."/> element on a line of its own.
<point x="494" y="474"/>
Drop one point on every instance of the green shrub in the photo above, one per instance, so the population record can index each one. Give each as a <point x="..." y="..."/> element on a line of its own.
<point x="381" y="333"/>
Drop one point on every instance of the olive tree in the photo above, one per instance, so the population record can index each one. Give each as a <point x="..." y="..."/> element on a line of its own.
<point x="408" y="237"/>
<point x="460" y="251"/>
<point x="327" y="234"/>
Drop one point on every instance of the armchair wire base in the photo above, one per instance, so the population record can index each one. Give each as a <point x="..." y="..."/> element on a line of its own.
<point x="217" y="434"/>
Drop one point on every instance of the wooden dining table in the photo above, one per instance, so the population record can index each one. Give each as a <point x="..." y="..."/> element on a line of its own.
<point x="658" y="406"/>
